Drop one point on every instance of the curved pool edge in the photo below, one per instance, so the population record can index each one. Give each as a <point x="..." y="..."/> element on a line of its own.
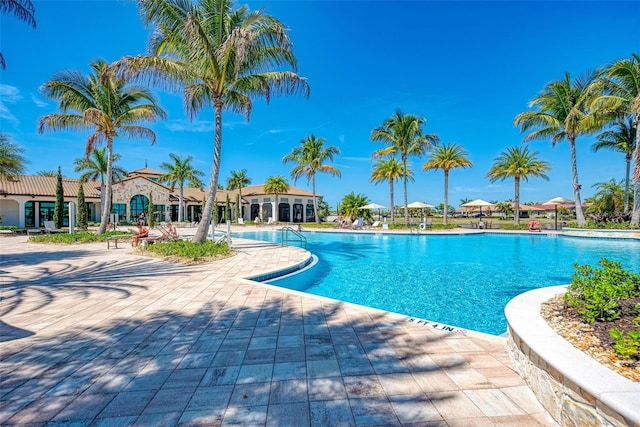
<point x="573" y="387"/>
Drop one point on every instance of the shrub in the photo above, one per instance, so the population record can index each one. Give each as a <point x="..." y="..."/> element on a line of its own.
<point x="627" y="345"/>
<point x="82" y="237"/>
<point x="189" y="250"/>
<point x="596" y="293"/>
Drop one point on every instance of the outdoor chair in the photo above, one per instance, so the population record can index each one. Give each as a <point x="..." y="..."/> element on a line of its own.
<point x="50" y="227"/>
<point x="358" y="224"/>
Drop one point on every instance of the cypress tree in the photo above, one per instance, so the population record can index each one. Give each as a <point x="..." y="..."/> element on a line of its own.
<point x="238" y="207"/>
<point x="150" y="216"/>
<point x="82" y="209"/>
<point x="58" y="210"/>
<point x="227" y="209"/>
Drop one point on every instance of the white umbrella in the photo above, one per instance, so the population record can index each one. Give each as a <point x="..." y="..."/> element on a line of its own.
<point x="373" y="206"/>
<point x="557" y="201"/>
<point x="420" y="205"/>
<point x="477" y="203"/>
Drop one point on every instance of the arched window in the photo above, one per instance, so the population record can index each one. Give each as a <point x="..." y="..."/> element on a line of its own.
<point x="138" y="204"/>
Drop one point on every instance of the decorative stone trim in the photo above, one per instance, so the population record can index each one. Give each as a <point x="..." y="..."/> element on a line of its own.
<point x="601" y="233"/>
<point x="573" y="387"/>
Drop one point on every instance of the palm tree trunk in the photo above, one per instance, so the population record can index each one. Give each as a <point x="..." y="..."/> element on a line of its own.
<point x="446" y="197"/>
<point x="240" y="203"/>
<point x="315" y="201"/>
<point x="203" y="227"/>
<point x="576" y="185"/>
<point x="393" y="216"/>
<point x="106" y="208"/>
<point x="626" y="185"/>
<point x="181" y="204"/>
<point x="635" y="217"/>
<point x="406" y="201"/>
<point x="516" y="204"/>
<point x="275" y="210"/>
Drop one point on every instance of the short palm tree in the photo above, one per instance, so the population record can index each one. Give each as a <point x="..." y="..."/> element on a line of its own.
<point x="23" y="10"/>
<point x="623" y="140"/>
<point x="608" y="196"/>
<point x="12" y="162"/>
<point x="447" y="157"/>
<point x="622" y="95"/>
<point x="276" y="185"/>
<point x="350" y="206"/>
<point x="561" y="112"/>
<point x="180" y="172"/>
<point x="311" y="157"/>
<point x="237" y="181"/>
<point x="219" y="57"/>
<point x="390" y="170"/>
<point x="106" y="103"/>
<point x="518" y="163"/>
<point x="403" y="134"/>
<point x="95" y="166"/>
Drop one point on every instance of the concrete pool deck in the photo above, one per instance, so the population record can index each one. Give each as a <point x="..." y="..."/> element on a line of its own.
<point x="97" y="337"/>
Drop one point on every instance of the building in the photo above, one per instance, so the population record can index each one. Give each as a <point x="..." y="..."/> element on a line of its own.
<point x="26" y="201"/>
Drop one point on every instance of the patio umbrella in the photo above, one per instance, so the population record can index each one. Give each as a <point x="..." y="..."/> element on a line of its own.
<point x="477" y="203"/>
<point x="420" y="205"/>
<point x="557" y="201"/>
<point x="373" y="206"/>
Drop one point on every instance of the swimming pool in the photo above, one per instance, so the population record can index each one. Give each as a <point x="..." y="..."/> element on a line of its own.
<point x="460" y="280"/>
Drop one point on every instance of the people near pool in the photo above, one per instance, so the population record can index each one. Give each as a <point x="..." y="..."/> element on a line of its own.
<point x="142" y="219"/>
<point x="141" y="233"/>
<point x="172" y="230"/>
<point x="341" y="221"/>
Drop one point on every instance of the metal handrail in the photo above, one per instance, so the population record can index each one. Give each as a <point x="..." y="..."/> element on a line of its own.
<point x="285" y="238"/>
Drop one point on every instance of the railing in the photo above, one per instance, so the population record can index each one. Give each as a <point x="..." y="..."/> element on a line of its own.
<point x="288" y="234"/>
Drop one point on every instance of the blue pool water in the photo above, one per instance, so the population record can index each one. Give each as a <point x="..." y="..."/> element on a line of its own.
<point x="460" y="280"/>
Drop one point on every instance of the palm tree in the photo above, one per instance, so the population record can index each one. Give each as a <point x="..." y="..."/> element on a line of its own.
<point x="95" y="166"/>
<point x="179" y="172"/>
<point x="21" y="9"/>
<point x="622" y="140"/>
<point x="561" y="112"/>
<point x="390" y="170"/>
<point x="608" y="197"/>
<point x="623" y="96"/>
<point x="237" y="181"/>
<point x="403" y="134"/>
<point x="519" y="163"/>
<point x="310" y="157"/>
<point x="447" y="157"/>
<point x="12" y="162"/>
<point x="50" y="174"/>
<point x="276" y="185"/>
<point x="351" y="203"/>
<point x="221" y="58"/>
<point x="106" y="103"/>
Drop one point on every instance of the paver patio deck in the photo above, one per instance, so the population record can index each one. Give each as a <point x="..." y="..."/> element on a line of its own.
<point x="97" y="337"/>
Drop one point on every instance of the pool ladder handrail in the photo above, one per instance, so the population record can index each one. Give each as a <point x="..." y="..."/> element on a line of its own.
<point x="298" y="237"/>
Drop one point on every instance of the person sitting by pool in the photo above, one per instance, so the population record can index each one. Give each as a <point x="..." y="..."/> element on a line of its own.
<point x="142" y="232"/>
<point x="172" y="230"/>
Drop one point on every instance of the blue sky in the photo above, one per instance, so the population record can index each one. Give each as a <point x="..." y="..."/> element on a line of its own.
<point x="469" y="67"/>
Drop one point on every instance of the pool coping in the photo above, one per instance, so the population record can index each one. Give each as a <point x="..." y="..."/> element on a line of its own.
<point x="568" y="382"/>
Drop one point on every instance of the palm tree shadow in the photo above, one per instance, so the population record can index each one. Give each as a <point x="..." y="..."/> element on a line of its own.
<point x="120" y="277"/>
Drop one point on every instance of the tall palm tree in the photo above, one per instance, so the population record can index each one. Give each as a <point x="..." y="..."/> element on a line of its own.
<point x="12" y="162"/>
<point x="403" y="134"/>
<point x="179" y="172"/>
<point x="561" y="112"/>
<point x="622" y="140"/>
<point x="237" y="181"/>
<point x="622" y="95"/>
<point x="390" y="170"/>
<point x="21" y="9"/>
<point x="95" y="166"/>
<point x="276" y="185"/>
<point x="106" y="103"/>
<point x="447" y="157"/>
<point x="310" y="157"/>
<point x="518" y="163"/>
<point x="220" y="58"/>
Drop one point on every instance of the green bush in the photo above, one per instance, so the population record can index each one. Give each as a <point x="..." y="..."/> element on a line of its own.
<point x="189" y="250"/>
<point x="627" y="345"/>
<point x="515" y="227"/>
<point x="82" y="237"/>
<point x="596" y="293"/>
<point x="8" y="227"/>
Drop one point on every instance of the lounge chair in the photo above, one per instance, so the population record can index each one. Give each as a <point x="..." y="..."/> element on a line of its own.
<point x="166" y="236"/>
<point x="270" y="220"/>
<point x="375" y="224"/>
<point x="358" y="224"/>
<point x="50" y="227"/>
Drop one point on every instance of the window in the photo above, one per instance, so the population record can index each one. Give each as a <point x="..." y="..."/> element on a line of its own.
<point x="139" y="204"/>
<point x="310" y="217"/>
